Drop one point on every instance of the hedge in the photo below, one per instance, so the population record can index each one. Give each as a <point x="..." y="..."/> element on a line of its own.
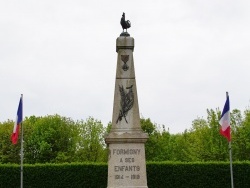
<point x="197" y="175"/>
<point x="159" y="175"/>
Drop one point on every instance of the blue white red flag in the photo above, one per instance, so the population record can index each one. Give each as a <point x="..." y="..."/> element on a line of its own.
<point x="19" y="119"/>
<point x="225" y="121"/>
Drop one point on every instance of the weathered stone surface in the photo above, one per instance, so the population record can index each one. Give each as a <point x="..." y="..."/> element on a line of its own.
<point x="126" y="137"/>
<point x="126" y="165"/>
<point x="125" y="43"/>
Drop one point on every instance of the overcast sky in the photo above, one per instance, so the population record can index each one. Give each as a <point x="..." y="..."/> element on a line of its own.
<point x="61" y="56"/>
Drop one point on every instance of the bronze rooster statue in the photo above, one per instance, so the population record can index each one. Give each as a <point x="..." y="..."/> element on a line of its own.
<point x="125" y="24"/>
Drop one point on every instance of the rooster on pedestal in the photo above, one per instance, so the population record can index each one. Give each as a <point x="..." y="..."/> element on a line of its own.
<point x="125" y="24"/>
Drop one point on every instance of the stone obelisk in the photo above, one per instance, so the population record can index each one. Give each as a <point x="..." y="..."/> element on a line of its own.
<point x="126" y="140"/>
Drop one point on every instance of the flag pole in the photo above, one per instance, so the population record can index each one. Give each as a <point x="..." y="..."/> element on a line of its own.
<point x="231" y="164"/>
<point x="22" y="146"/>
<point x="231" y="160"/>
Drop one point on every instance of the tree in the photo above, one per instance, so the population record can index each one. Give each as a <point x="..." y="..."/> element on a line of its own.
<point x="241" y="139"/>
<point x="9" y="153"/>
<point x="51" y="139"/>
<point x="91" y="145"/>
<point x="56" y="139"/>
<point x="152" y="146"/>
<point x="218" y="144"/>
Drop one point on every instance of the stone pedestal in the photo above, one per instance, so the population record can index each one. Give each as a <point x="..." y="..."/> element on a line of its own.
<point x="126" y="165"/>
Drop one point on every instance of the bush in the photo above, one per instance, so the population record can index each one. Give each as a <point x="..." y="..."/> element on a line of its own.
<point x="159" y="175"/>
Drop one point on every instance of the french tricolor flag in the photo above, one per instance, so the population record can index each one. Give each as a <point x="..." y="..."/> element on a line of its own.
<point x="225" y="120"/>
<point x="19" y="119"/>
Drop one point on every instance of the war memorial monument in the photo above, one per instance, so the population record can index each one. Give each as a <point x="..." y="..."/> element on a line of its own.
<point x="126" y="140"/>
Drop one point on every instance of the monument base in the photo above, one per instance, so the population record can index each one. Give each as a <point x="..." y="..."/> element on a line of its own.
<point x="129" y="187"/>
<point x="127" y="165"/>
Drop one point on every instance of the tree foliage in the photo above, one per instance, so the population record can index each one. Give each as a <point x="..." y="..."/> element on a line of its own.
<point x="91" y="145"/>
<point x="202" y="142"/>
<point x="54" y="139"/>
<point x="50" y="139"/>
<point x="58" y="139"/>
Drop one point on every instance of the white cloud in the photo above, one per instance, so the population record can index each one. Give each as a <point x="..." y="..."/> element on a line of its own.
<point x="61" y="56"/>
